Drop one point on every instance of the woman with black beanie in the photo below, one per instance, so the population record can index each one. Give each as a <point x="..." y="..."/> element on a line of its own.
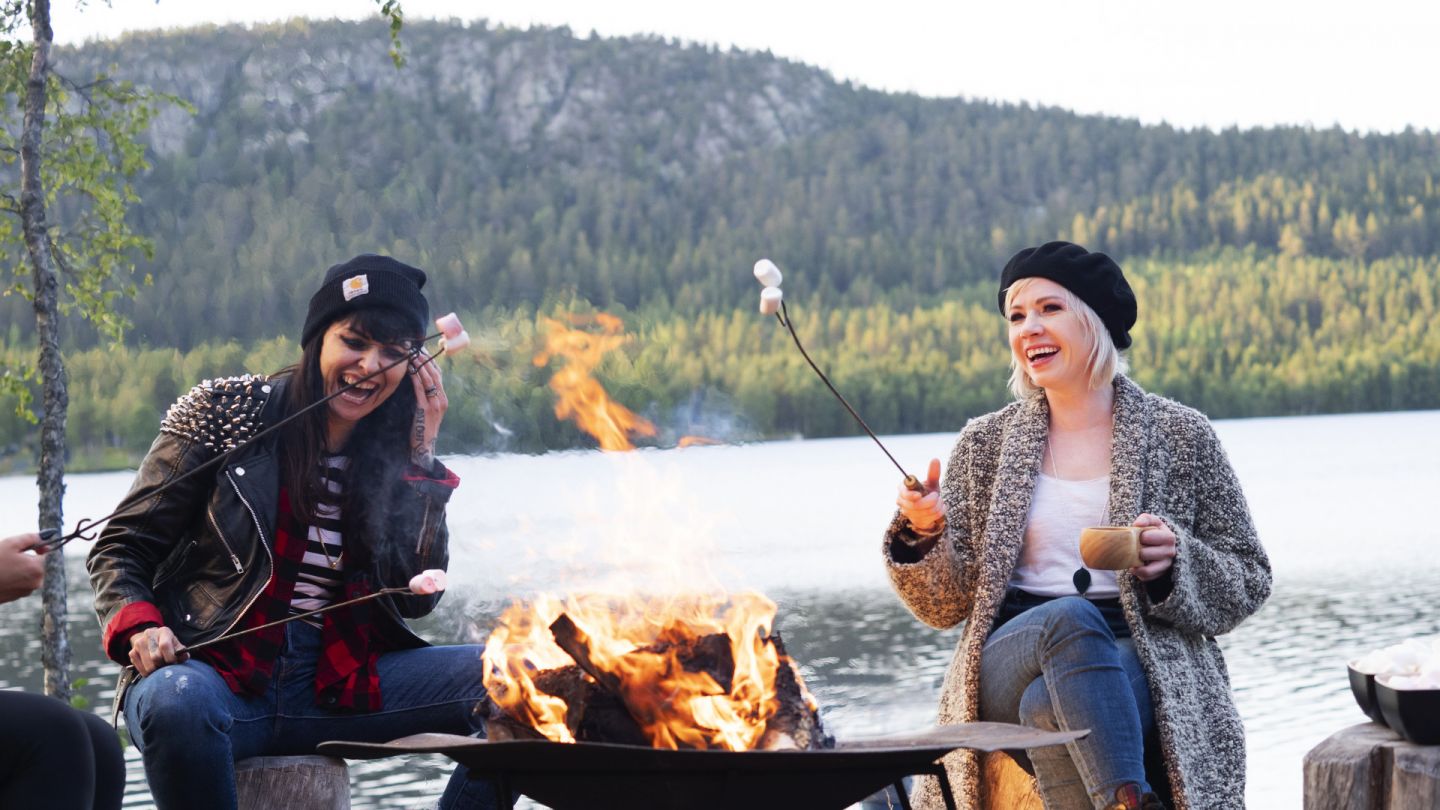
<point x="1129" y="655"/>
<point x="342" y="502"/>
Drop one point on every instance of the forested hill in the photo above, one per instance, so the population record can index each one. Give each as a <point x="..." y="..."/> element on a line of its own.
<point x="535" y="173"/>
<point x="520" y="165"/>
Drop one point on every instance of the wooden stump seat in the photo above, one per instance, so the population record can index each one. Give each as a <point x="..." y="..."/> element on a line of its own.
<point x="1370" y="767"/>
<point x="301" y="783"/>
<point x="1006" y="785"/>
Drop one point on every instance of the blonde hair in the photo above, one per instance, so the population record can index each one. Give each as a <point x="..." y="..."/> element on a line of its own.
<point x="1104" y="362"/>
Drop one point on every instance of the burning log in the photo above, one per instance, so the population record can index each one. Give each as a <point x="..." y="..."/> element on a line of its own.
<point x="696" y="672"/>
<point x="796" y="723"/>
<point x="604" y="707"/>
<point x="592" y="713"/>
<point x="709" y="654"/>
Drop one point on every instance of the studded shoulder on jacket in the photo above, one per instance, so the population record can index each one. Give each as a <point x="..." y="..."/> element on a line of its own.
<point x="218" y="414"/>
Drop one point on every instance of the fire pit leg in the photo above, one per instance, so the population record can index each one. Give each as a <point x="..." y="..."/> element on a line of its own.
<point x="945" y="791"/>
<point x="503" y="795"/>
<point x="902" y="795"/>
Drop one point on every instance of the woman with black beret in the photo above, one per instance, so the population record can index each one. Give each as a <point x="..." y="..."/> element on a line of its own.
<point x="1129" y="655"/>
<point x="342" y="502"/>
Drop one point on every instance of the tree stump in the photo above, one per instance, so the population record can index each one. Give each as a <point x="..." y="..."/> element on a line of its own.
<point x="1370" y="767"/>
<point x="303" y="783"/>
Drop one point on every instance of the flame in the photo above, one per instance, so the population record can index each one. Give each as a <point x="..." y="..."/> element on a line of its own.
<point x="637" y="641"/>
<point x="695" y="441"/>
<point x="579" y="396"/>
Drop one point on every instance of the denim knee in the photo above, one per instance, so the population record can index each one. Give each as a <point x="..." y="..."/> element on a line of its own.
<point x="1036" y="709"/>
<point x="175" y="699"/>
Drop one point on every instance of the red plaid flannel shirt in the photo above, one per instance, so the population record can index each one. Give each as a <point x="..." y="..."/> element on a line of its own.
<point x="346" y="676"/>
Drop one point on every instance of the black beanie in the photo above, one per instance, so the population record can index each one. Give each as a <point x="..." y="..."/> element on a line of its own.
<point x="1094" y="278"/>
<point x="364" y="282"/>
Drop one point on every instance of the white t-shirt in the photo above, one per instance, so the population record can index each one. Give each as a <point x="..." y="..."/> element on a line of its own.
<point x="1059" y="509"/>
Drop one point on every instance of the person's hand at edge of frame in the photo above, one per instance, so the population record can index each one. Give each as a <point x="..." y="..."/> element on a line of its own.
<point x="22" y="568"/>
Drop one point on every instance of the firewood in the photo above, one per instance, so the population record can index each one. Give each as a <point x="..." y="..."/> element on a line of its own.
<point x="501" y="727"/>
<point x="576" y="644"/>
<point x="710" y="654"/>
<point x="571" y="685"/>
<point x="794" y="720"/>
<point x="607" y="720"/>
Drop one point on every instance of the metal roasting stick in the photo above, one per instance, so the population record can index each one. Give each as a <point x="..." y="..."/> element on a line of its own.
<point x="50" y="539"/>
<point x="357" y="600"/>
<point x="911" y="482"/>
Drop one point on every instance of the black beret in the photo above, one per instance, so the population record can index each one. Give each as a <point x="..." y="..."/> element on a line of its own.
<point x="363" y="282"/>
<point x="1094" y="278"/>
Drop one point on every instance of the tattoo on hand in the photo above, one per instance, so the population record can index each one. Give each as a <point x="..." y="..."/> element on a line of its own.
<point x="422" y="453"/>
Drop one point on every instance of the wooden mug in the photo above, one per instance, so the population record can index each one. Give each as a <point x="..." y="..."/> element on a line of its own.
<point x="1110" y="548"/>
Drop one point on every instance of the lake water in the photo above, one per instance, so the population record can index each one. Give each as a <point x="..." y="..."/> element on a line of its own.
<point x="1340" y="502"/>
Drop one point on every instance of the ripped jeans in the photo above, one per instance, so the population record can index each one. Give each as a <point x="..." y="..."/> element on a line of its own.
<point x="191" y="729"/>
<point x="1058" y="666"/>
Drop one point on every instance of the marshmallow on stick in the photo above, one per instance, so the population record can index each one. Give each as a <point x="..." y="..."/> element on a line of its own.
<point x="431" y="580"/>
<point x="770" y="300"/>
<point x="453" y="336"/>
<point x="767" y="273"/>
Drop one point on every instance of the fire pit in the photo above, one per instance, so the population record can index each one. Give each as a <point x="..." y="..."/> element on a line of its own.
<point x="601" y="776"/>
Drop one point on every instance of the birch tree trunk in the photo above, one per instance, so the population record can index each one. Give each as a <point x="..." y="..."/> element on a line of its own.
<point x="51" y="479"/>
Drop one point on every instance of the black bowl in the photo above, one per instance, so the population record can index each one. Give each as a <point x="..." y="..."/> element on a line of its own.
<point x="1414" y="713"/>
<point x="1362" y="686"/>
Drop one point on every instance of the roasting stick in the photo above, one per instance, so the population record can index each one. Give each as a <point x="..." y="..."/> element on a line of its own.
<point x="316" y="612"/>
<point x="772" y="302"/>
<point x="453" y="338"/>
<point x="422" y="584"/>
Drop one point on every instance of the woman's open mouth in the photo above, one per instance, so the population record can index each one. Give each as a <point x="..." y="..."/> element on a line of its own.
<point x="1041" y="355"/>
<point x="361" y="392"/>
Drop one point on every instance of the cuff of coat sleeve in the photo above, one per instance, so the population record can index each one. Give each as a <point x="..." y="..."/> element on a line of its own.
<point x="439" y="474"/>
<point x="130" y="620"/>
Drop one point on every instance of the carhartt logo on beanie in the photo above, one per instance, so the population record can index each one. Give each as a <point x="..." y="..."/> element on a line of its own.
<point x="355" y="285"/>
<point x="364" y="282"/>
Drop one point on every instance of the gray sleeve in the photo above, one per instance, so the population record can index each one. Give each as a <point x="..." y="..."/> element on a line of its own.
<point x="1221" y="574"/>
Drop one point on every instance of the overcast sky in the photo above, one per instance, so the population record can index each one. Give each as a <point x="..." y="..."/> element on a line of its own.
<point x="1362" y="65"/>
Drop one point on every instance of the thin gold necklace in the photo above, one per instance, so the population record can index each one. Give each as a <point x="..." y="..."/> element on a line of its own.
<point x="325" y="549"/>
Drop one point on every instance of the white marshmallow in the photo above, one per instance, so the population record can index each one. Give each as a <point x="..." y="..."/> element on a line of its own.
<point x="1409" y="681"/>
<point x="1411" y="657"/>
<point x="431" y="580"/>
<point x="449" y="325"/>
<point x="767" y="273"/>
<point x="770" y="300"/>
<point x="454" y="343"/>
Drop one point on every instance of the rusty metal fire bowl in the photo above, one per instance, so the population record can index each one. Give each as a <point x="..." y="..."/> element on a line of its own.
<point x="601" y="776"/>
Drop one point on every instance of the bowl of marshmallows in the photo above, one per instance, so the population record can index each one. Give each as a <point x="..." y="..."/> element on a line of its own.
<point x="1399" y="686"/>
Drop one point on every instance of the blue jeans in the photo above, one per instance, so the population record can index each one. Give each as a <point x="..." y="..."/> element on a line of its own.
<point x="191" y="729"/>
<point x="1058" y="667"/>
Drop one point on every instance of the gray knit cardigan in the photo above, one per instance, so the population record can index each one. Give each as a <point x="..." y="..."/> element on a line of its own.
<point x="1167" y="461"/>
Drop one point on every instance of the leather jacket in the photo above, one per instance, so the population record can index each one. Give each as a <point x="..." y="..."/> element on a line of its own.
<point x="201" y="551"/>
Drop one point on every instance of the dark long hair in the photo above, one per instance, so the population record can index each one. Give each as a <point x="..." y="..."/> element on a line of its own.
<point x="378" y="449"/>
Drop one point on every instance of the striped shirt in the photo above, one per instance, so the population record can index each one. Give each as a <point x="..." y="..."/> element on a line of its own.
<point x="323" y="566"/>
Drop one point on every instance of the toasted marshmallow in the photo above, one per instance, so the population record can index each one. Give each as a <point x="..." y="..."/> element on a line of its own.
<point x="770" y="300"/>
<point x="453" y="344"/>
<point x="431" y="580"/>
<point x="767" y="273"/>
<point x="449" y="325"/>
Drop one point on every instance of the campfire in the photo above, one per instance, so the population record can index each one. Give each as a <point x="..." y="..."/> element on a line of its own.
<point x="697" y="669"/>
<point x="679" y="672"/>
